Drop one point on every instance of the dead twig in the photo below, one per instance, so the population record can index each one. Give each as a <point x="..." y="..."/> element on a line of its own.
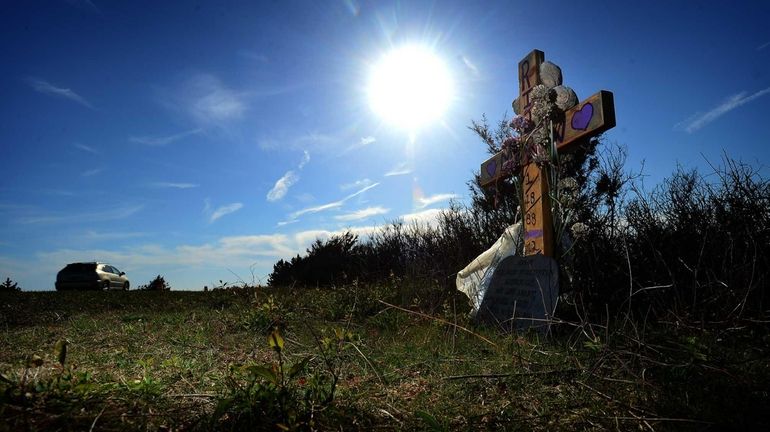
<point x="517" y="374"/>
<point x="658" y="419"/>
<point x="611" y="399"/>
<point x="439" y="320"/>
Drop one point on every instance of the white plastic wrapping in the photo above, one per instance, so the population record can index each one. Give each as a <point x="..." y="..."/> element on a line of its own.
<point x="475" y="278"/>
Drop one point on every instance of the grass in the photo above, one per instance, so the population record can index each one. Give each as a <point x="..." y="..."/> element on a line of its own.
<point x="143" y="360"/>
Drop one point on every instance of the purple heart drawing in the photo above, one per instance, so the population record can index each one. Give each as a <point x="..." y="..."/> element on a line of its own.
<point x="492" y="168"/>
<point x="582" y="117"/>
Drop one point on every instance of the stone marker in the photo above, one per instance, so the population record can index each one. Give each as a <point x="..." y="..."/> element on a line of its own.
<point x="522" y="293"/>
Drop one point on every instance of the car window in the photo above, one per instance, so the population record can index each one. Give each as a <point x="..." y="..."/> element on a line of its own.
<point x="107" y="269"/>
<point x="79" y="268"/>
<point x="116" y="271"/>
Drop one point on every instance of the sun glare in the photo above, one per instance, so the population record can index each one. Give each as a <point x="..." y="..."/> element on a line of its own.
<point x="409" y="87"/>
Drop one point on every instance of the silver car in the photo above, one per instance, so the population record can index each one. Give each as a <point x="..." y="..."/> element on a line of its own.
<point x="92" y="276"/>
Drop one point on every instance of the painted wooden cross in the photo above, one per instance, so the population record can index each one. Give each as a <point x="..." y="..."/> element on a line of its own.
<point x="581" y="122"/>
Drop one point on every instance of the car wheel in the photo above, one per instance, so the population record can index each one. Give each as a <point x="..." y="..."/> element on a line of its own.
<point x="125" y="286"/>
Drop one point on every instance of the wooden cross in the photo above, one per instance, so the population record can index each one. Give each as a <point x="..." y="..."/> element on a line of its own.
<point x="589" y="118"/>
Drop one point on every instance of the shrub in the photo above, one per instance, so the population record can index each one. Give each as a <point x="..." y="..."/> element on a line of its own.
<point x="9" y="286"/>
<point x="157" y="284"/>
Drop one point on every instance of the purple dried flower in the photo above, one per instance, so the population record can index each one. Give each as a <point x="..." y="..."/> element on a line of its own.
<point x="521" y="124"/>
<point x="511" y="143"/>
<point x="509" y="166"/>
<point x="540" y="155"/>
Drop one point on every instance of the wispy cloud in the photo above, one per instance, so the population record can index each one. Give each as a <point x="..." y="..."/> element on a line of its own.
<point x="91" y="172"/>
<point x="316" y="209"/>
<point x="282" y="185"/>
<point x="356" y="184"/>
<point x="162" y="140"/>
<point x="360" y="191"/>
<point x="210" y="101"/>
<point x="763" y="46"/>
<point x="109" y="236"/>
<point x="331" y="205"/>
<point x="116" y="213"/>
<point x="225" y="210"/>
<point x="172" y="185"/>
<point x="425" y="201"/>
<point x="425" y="217"/>
<point x="86" y="148"/>
<point x="468" y="64"/>
<point x="44" y="87"/>
<point x="363" y="142"/>
<point x="362" y="214"/>
<point x="305" y="159"/>
<point x="287" y="222"/>
<point x="699" y="120"/>
<point x="400" y="169"/>
<point x="318" y="142"/>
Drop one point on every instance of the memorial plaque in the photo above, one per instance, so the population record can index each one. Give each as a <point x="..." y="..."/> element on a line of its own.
<point x="522" y="293"/>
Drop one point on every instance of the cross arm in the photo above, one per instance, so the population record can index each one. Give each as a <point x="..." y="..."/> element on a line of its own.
<point x="589" y="118"/>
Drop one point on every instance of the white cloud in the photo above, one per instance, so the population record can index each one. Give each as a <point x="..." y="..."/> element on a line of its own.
<point x="44" y="87"/>
<point x="362" y="214"/>
<point x="212" y="100"/>
<point x="360" y="191"/>
<point x="109" y="236"/>
<point x="699" y="120"/>
<point x="159" y="141"/>
<point x="172" y="185"/>
<point x="318" y="142"/>
<point x="305" y="159"/>
<point x="363" y="142"/>
<point x="121" y="212"/>
<point x="763" y="46"/>
<point x="356" y="184"/>
<point x="468" y="64"/>
<point x="426" y="217"/>
<point x="282" y="186"/>
<point x="86" y="148"/>
<point x="400" y="169"/>
<point x="225" y="210"/>
<point x="423" y="202"/>
<point x="331" y="205"/>
<point x="206" y="99"/>
<point x="316" y="209"/>
<point x="91" y="172"/>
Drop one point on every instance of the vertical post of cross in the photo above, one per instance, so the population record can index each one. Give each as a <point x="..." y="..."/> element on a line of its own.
<point x="535" y="202"/>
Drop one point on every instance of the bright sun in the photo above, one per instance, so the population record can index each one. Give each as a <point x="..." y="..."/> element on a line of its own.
<point x="409" y="87"/>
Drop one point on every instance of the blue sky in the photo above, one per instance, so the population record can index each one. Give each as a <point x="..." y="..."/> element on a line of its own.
<point x="199" y="140"/>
